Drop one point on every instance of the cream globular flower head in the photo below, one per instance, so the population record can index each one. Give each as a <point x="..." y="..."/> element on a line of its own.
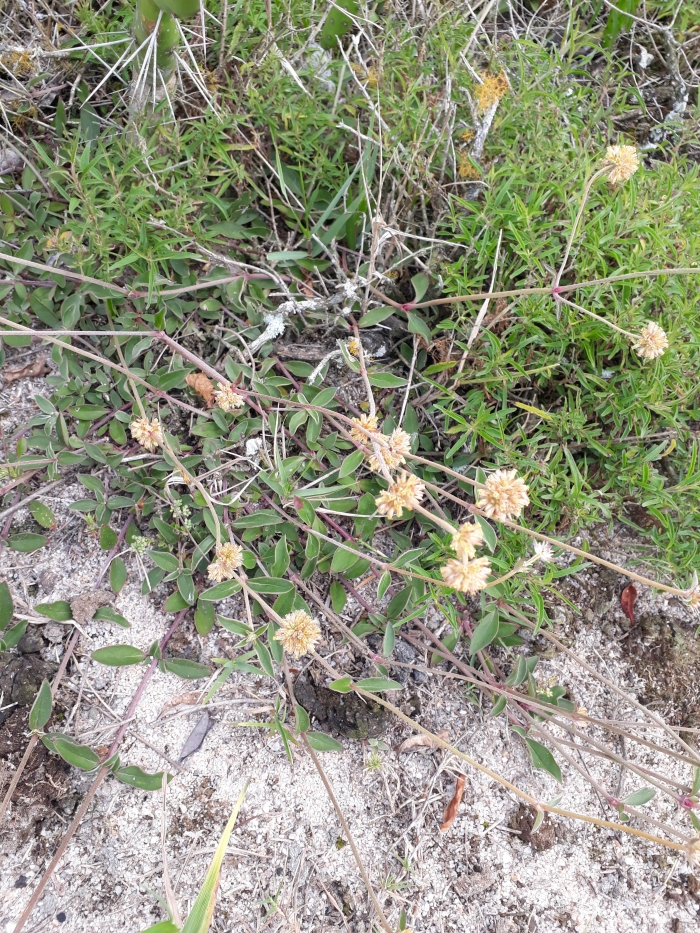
<point x="466" y="540"/>
<point x="467" y="576"/>
<point x="369" y="423"/>
<point x="404" y="493"/>
<point x="149" y="434"/>
<point x="298" y="632"/>
<point x="394" y="449"/>
<point x="229" y="557"/>
<point x="227" y="398"/>
<point x="652" y="341"/>
<point x="623" y="162"/>
<point x="543" y="551"/>
<point x="504" y="495"/>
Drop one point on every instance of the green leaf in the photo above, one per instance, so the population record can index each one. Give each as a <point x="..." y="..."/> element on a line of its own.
<point x="336" y="23"/>
<point x="135" y="777"/>
<point x="542" y="758"/>
<point x="42" y="514"/>
<point x="40" y="712"/>
<point x="389" y="640"/>
<point x="344" y="685"/>
<point x="107" y="614"/>
<point x="203" y="909"/>
<point x="490" y="537"/>
<point x="344" y="559"/>
<point x="175" y="602"/>
<point x="118" y="655"/>
<point x="88" y="412"/>
<point x="188" y="670"/>
<point x="164" y="560"/>
<point x="420" y="283"/>
<point x="351" y="464"/>
<point x="80" y="756"/>
<point x="165" y="926"/>
<point x="320" y="742"/>
<point x="185" y="585"/>
<point x="640" y="797"/>
<point x="485" y="632"/>
<point x="220" y="591"/>
<point x="271" y="585"/>
<point x="264" y="657"/>
<point x="260" y="519"/>
<point x="117" y="574"/>
<point x="119" y="502"/>
<point x="302" y="719"/>
<point x="108" y="538"/>
<point x="376" y="316"/>
<point x="417" y="325"/>
<point x="386" y="380"/>
<point x="26" y="542"/>
<point x="398" y="603"/>
<point x="11" y="636"/>
<point x="498" y="706"/>
<point x="7" y="606"/>
<point x="83" y="505"/>
<point x="204" y="617"/>
<point x="338" y="596"/>
<point x="377" y="684"/>
<point x="384" y="584"/>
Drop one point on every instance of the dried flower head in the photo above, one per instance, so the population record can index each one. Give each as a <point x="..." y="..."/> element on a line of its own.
<point x="216" y="572"/>
<point x="394" y="448"/>
<point x="149" y="434"/>
<point x="404" y="493"/>
<point x="692" y="851"/>
<point x="298" y="633"/>
<point x="353" y="346"/>
<point x="623" y="162"/>
<point x="466" y="540"/>
<point x="652" y="341"/>
<point x="543" y="551"/>
<point x="467" y="576"/>
<point x="368" y="422"/>
<point x="692" y="594"/>
<point x="229" y="557"/>
<point x="227" y="398"/>
<point x="504" y="495"/>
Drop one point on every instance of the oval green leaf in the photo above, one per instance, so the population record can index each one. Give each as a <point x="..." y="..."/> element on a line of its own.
<point x="118" y="655"/>
<point x="377" y="684"/>
<point x="188" y="670"/>
<point x="320" y="742"/>
<point x="26" y="542"/>
<point x="7" y="606"/>
<point x="117" y="574"/>
<point x="40" y="712"/>
<point x="135" y="777"/>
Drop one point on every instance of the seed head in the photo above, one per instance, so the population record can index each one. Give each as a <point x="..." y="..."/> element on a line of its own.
<point x="623" y="162"/>
<point x="652" y="341"/>
<point x="298" y="633"/>
<point x="466" y="540"/>
<point x="404" y="493"/>
<point x="227" y="398"/>
<point x="369" y="423"/>
<point x="466" y="576"/>
<point x="692" y="850"/>
<point x="394" y="450"/>
<point x="149" y="434"/>
<point x="543" y="551"/>
<point x="504" y="495"/>
<point x="229" y="557"/>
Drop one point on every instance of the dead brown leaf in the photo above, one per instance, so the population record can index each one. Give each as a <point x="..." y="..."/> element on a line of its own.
<point x="203" y="386"/>
<point x="38" y="367"/>
<point x="86" y="605"/>
<point x="425" y="740"/>
<point x="182" y="699"/>
<point x="452" y="807"/>
<point x="628" y="597"/>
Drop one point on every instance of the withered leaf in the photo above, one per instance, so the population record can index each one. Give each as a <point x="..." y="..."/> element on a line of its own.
<point x="183" y="699"/>
<point x="86" y="605"/>
<point x="38" y="367"/>
<point x="426" y="741"/>
<point x="628" y="598"/>
<point x="203" y="386"/>
<point x="453" y="806"/>
<point x="194" y="740"/>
